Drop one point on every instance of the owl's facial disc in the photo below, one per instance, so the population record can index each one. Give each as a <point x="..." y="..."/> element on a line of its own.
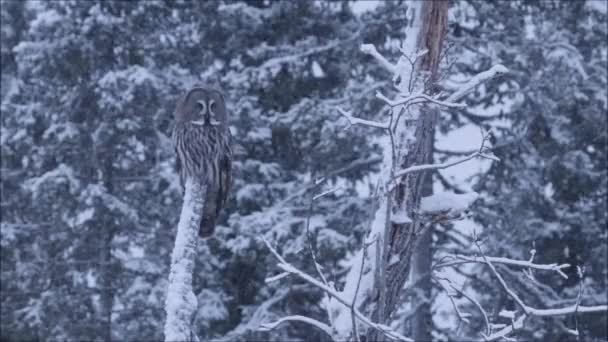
<point x="212" y="119"/>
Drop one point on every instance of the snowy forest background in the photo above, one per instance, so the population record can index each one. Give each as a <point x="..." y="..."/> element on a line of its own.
<point x="90" y="198"/>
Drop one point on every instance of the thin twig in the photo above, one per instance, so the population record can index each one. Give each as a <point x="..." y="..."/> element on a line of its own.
<point x="297" y="318"/>
<point x="419" y="96"/>
<point x="370" y="49"/>
<point x="464" y="317"/>
<point x="356" y="121"/>
<point x="352" y="307"/>
<point x="478" y="305"/>
<point x="463" y="259"/>
<point x="285" y="266"/>
<point x="425" y="167"/>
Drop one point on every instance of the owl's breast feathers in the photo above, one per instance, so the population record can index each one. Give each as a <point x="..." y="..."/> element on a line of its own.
<point x="204" y="153"/>
<point x="201" y="150"/>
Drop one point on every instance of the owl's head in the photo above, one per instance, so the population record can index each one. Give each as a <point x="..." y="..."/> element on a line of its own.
<point x="202" y="106"/>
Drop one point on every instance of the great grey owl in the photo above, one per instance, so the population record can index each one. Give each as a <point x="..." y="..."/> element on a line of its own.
<point x="202" y="143"/>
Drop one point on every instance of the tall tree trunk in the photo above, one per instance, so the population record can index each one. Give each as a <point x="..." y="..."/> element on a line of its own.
<point x="108" y="272"/>
<point x="400" y="238"/>
<point x="422" y="323"/>
<point x="181" y="303"/>
<point x="107" y="290"/>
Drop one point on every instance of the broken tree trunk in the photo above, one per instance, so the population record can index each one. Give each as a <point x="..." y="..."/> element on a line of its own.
<point x="430" y="24"/>
<point x="181" y="302"/>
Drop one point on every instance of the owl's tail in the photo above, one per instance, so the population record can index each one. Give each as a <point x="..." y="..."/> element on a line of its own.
<point x="207" y="226"/>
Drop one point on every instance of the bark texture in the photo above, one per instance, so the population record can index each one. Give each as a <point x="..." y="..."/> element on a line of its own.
<point x="401" y="238"/>
<point x="181" y="303"/>
<point x="422" y="323"/>
<point x="432" y="37"/>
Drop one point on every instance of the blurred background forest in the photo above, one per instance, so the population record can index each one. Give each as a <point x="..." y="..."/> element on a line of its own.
<point x="90" y="198"/>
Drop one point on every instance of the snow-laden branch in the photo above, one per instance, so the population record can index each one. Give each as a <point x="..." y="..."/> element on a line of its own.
<point x="502" y="334"/>
<point x="287" y="267"/>
<point x="370" y="49"/>
<point x="255" y="321"/>
<point x="528" y="310"/>
<point x="181" y="302"/>
<point x="482" y="77"/>
<point x="422" y="98"/>
<point x="356" y="121"/>
<point x="480" y="153"/>
<point x="325" y="193"/>
<point x="525" y="310"/>
<point x="477" y="305"/>
<point x="444" y="202"/>
<point x="567" y="310"/>
<point x="462" y="316"/>
<point x="519" y="322"/>
<point x="312" y="51"/>
<point x="297" y="318"/>
<point x="439" y="166"/>
<point x="464" y="259"/>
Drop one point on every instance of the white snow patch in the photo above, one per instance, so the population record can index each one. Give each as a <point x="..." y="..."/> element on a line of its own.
<point x="211" y="306"/>
<point x="447" y="201"/>
<point x="61" y="174"/>
<point x="400" y="218"/>
<point x="548" y="191"/>
<point x="44" y="19"/>
<point x="84" y="216"/>
<point x="317" y="71"/>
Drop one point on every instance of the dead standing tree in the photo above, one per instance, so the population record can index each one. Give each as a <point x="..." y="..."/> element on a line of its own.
<point x="181" y="303"/>
<point x="385" y="257"/>
<point x="380" y="269"/>
<point x="402" y="237"/>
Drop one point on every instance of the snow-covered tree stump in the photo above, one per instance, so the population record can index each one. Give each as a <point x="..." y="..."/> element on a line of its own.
<point x="181" y="302"/>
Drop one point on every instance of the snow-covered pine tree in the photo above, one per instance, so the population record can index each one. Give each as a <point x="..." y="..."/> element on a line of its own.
<point x="284" y="71"/>
<point x="100" y="89"/>
<point x="92" y="195"/>
<point x="549" y="117"/>
<point x="89" y="196"/>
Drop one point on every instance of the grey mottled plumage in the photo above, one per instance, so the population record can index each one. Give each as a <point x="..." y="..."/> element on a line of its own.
<point x="202" y="143"/>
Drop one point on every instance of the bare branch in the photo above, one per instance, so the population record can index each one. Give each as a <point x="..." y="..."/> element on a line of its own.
<point x="386" y="330"/>
<point x="517" y="324"/>
<point x="502" y="281"/>
<point x="464" y="317"/>
<point x="476" y="80"/>
<point x="477" y="305"/>
<point x="313" y="51"/>
<point x="297" y="318"/>
<point x="370" y="49"/>
<point x="327" y="192"/>
<point x="356" y="121"/>
<point x="425" y="167"/>
<point x="420" y="96"/>
<point x="463" y="259"/>
<point x="530" y="311"/>
<point x="352" y="306"/>
<point x="276" y="277"/>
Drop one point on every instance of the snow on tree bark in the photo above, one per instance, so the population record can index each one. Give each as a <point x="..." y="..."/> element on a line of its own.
<point x="181" y="302"/>
<point x="428" y="29"/>
<point x="390" y="242"/>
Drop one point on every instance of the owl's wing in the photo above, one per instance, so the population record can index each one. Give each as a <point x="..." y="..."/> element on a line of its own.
<point x="178" y="168"/>
<point x="178" y="163"/>
<point x="217" y="194"/>
<point x="225" y="182"/>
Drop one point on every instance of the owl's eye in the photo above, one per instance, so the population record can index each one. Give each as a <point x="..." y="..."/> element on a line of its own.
<point x="212" y="107"/>
<point x="202" y="107"/>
